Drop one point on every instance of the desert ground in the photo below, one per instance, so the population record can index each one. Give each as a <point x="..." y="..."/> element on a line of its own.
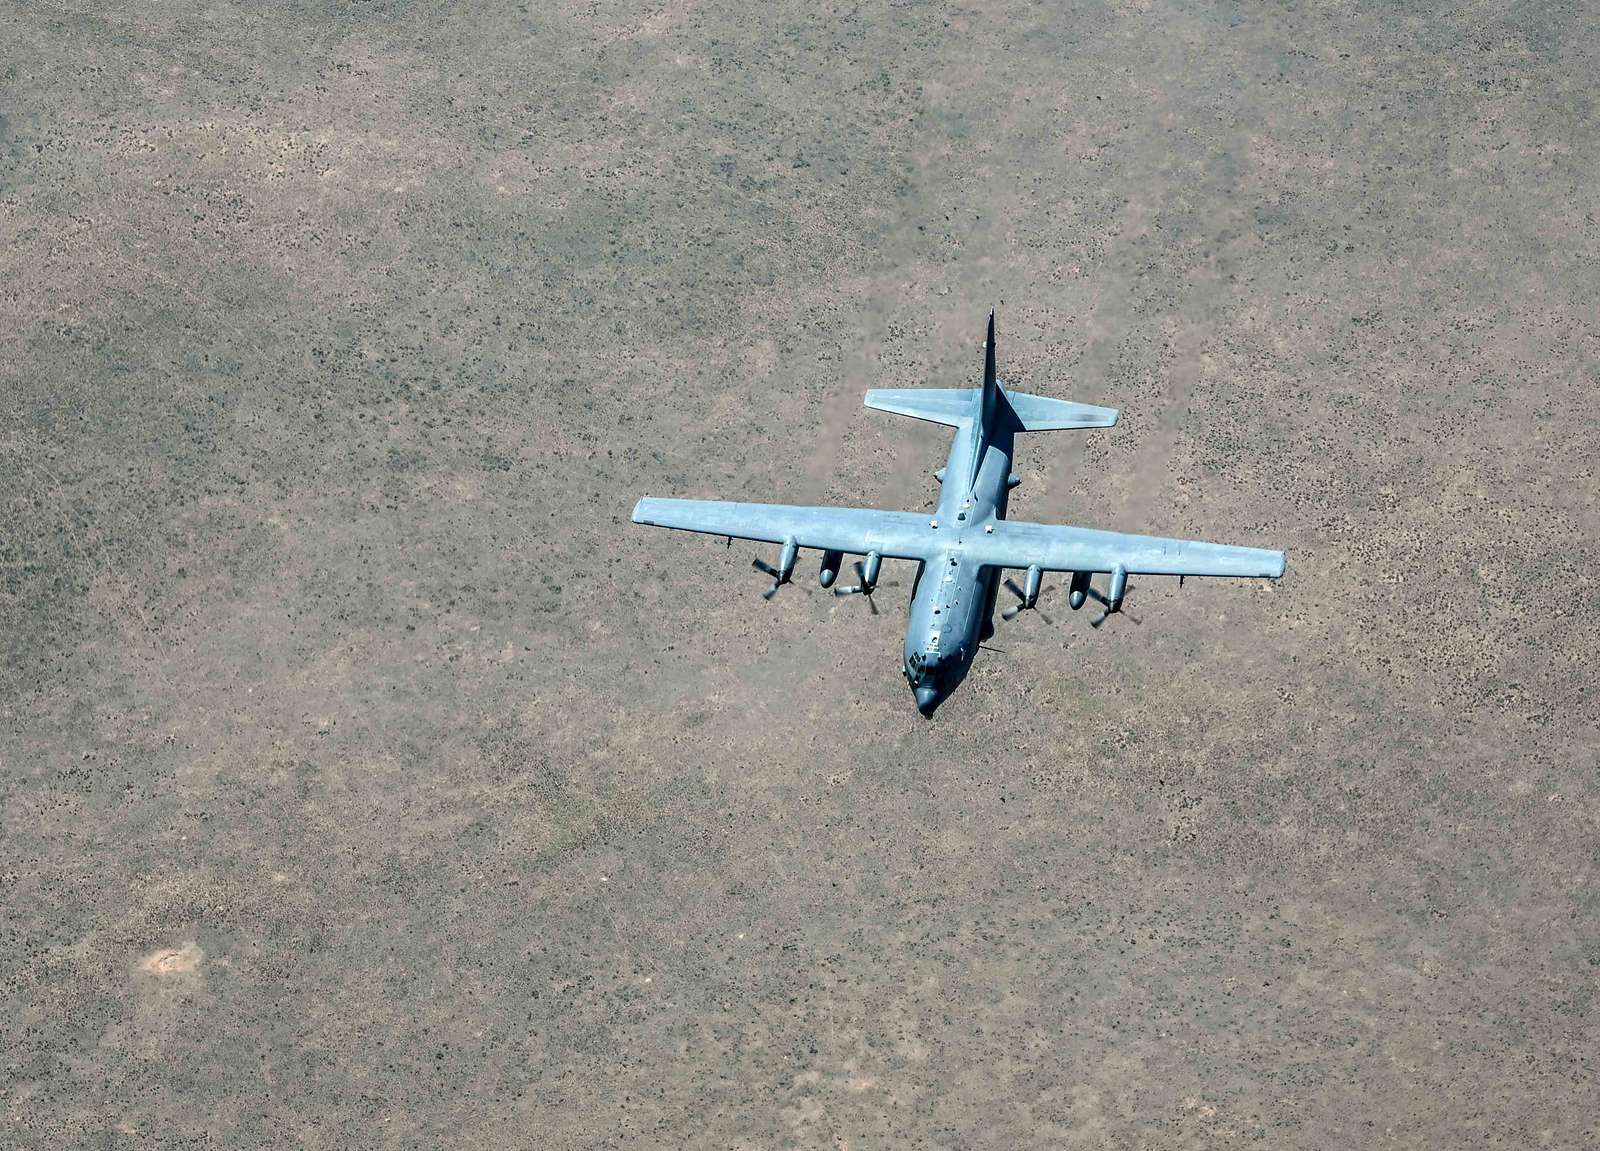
<point x="367" y="779"/>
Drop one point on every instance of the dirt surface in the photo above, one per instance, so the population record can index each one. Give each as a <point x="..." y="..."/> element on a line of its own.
<point x="368" y="779"/>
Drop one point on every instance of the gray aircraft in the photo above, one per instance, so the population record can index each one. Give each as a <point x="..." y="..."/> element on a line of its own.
<point x="963" y="546"/>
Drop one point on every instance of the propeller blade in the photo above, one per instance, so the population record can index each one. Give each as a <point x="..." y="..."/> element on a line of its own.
<point x="762" y="565"/>
<point x="1107" y="614"/>
<point x="1023" y="604"/>
<point x="860" y="589"/>
<point x="770" y="592"/>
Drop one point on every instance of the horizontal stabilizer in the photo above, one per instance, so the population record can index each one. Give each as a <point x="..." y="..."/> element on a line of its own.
<point x="952" y="406"/>
<point x="958" y="406"/>
<point x="1042" y="414"/>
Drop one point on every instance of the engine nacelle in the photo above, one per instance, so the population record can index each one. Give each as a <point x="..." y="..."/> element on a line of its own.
<point x="1118" y="589"/>
<point x="830" y="568"/>
<point x="870" y="570"/>
<point x="1080" y="590"/>
<point x="1030" y="585"/>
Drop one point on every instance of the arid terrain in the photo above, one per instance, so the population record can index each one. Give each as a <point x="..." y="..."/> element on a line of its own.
<point x="367" y="779"/>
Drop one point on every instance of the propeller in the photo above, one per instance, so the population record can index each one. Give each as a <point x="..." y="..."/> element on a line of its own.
<point x="1023" y="605"/>
<point x="1027" y="595"/>
<point x="780" y="574"/>
<point x="1113" y="599"/>
<point x="1108" y="613"/>
<point x="861" y="588"/>
<point x="866" y="580"/>
<point x="777" y="577"/>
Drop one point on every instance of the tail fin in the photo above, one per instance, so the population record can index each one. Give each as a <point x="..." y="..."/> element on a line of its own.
<point x="988" y="405"/>
<point x="956" y="407"/>
<point x="1025" y="413"/>
<point x="984" y="407"/>
<point x="988" y="355"/>
<point x="991" y="386"/>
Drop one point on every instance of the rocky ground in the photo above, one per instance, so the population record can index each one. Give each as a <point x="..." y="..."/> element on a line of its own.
<point x="367" y="779"/>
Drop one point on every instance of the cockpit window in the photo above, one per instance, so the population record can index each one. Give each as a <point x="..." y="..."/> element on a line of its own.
<point x="922" y="667"/>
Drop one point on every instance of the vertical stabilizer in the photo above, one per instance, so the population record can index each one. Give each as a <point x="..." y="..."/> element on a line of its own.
<point x="988" y="361"/>
<point x="988" y="402"/>
<point x="991" y="386"/>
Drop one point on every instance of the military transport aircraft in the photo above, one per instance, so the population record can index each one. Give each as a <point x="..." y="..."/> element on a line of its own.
<point x="961" y="548"/>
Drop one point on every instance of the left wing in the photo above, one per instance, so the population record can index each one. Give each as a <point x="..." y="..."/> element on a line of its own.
<point x="893" y="535"/>
<point x="1054" y="547"/>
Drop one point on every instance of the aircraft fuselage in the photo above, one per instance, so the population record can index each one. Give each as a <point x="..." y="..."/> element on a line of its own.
<point x="954" y="597"/>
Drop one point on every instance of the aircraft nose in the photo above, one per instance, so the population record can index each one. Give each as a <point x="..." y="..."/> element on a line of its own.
<point x="927" y="698"/>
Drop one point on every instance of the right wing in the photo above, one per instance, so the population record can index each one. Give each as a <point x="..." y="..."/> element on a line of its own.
<point x="1058" y="547"/>
<point x="893" y="535"/>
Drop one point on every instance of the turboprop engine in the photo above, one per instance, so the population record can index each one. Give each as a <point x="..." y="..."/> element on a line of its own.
<point x="866" y="578"/>
<point x="780" y="574"/>
<point x="1027" y="595"/>
<point x="1116" y="591"/>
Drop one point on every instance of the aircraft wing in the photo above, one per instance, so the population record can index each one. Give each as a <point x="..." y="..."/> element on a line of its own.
<point x="894" y="535"/>
<point x="1056" y="547"/>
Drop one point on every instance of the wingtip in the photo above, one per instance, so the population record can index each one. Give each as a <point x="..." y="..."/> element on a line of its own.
<point x="638" y="510"/>
<point x="1281" y="567"/>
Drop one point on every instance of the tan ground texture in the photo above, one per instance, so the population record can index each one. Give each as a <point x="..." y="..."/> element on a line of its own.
<point x="367" y="779"/>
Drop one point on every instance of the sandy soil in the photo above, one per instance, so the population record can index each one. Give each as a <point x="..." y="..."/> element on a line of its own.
<point x="368" y="780"/>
